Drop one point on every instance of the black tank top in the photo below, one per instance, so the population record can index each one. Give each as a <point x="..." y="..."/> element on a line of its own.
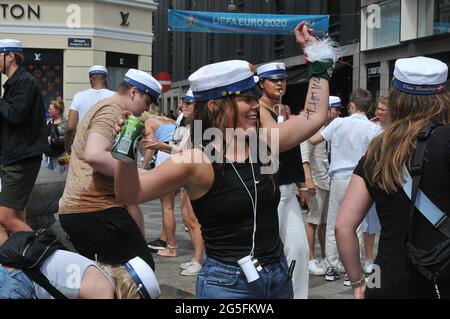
<point x="291" y="164"/>
<point x="225" y="214"/>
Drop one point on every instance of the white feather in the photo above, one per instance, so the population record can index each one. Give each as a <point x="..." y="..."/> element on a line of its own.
<point x="322" y="50"/>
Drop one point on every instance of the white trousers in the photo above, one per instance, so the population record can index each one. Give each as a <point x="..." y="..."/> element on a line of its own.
<point x="338" y="188"/>
<point x="293" y="235"/>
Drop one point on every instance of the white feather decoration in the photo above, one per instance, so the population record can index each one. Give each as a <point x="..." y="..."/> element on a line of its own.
<point x="322" y="50"/>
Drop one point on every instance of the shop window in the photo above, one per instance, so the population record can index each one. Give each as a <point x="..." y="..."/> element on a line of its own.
<point x="47" y="66"/>
<point x="387" y="31"/>
<point x="434" y="17"/>
<point x="373" y="79"/>
<point x="118" y="64"/>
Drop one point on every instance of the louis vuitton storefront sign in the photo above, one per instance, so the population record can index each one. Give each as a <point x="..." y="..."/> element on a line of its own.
<point x="19" y="11"/>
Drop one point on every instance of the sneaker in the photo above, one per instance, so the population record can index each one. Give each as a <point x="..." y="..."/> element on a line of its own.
<point x="315" y="268"/>
<point x="367" y="266"/>
<point x="192" y="270"/>
<point x="347" y="281"/>
<point x="331" y="274"/>
<point x="157" y="244"/>
<point x="187" y="264"/>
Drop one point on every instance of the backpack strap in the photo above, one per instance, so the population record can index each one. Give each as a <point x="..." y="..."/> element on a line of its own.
<point x="433" y="214"/>
<point x="41" y="280"/>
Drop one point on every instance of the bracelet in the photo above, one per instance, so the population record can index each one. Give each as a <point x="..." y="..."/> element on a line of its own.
<point x="303" y="189"/>
<point x="354" y="284"/>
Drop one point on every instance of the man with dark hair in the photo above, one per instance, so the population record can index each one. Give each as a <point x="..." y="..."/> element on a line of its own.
<point x="23" y="136"/>
<point x="84" y="100"/>
<point x="349" y="138"/>
<point x="361" y="100"/>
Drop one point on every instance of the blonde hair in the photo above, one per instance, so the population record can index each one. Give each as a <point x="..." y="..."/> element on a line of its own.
<point x="154" y="115"/>
<point x="125" y="287"/>
<point x="58" y="104"/>
<point x="389" y="152"/>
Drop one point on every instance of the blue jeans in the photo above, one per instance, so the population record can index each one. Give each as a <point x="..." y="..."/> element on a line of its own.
<point x="217" y="280"/>
<point x="15" y="285"/>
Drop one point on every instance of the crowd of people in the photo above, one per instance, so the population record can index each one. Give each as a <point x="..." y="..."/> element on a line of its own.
<point x="253" y="232"/>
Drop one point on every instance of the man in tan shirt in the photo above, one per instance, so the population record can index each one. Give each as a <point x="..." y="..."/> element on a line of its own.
<point x="99" y="226"/>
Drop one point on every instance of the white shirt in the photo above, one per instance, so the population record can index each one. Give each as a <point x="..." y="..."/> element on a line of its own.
<point x="65" y="271"/>
<point x="84" y="100"/>
<point x="317" y="158"/>
<point x="349" y="138"/>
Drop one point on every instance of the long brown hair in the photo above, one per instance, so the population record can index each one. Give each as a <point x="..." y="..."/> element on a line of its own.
<point x="224" y="115"/>
<point x="389" y="153"/>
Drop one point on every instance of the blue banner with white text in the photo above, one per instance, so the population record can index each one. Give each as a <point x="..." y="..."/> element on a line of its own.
<point x="243" y="23"/>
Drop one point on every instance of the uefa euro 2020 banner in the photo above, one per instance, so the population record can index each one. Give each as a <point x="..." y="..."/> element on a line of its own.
<point x="243" y="23"/>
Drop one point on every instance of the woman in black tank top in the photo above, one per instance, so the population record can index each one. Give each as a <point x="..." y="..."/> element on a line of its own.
<point x="229" y="179"/>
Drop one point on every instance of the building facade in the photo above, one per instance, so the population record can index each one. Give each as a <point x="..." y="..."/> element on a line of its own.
<point x="396" y="29"/>
<point x="62" y="39"/>
<point x="181" y="54"/>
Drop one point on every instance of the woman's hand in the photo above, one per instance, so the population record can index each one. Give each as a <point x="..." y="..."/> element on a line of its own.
<point x="120" y="121"/>
<point x="310" y="186"/>
<point x="375" y="119"/>
<point x="150" y="143"/>
<point x="303" y="34"/>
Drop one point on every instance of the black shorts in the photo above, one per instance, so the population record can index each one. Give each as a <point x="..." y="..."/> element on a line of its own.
<point x="110" y="236"/>
<point x="17" y="181"/>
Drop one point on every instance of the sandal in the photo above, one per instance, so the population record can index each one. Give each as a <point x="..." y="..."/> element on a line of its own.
<point x="170" y="251"/>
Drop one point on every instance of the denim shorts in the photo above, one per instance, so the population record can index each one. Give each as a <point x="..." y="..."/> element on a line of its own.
<point x="218" y="280"/>
<point x="15" y="285"/>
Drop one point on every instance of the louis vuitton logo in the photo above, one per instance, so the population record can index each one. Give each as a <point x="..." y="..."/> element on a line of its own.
<point x="124" y="16"/>
<point x="37" y="56"/>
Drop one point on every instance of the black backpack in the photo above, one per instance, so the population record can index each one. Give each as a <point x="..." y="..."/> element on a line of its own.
<point x="433" y="264"/>
<point x="27" y="251"/>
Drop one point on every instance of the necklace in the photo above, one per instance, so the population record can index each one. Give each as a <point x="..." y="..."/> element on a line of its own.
<point x="254" y="201"/>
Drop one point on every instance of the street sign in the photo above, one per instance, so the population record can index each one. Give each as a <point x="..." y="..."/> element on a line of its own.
<point x="165" y="79"/>
<point x="79" y="43"/>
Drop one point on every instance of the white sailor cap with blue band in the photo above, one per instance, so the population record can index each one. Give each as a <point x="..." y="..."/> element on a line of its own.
<point x="189" y="96"/>
<point x="144" y="82"/>
<point x="98" y="70"/>
<point x="144" y="278"/>
<point x="10" y="45"/>
<point x="275" y="71"/>
<point x="217" y="80"/>
<point x="335" y="101"/>
<point x="420" y="75"/>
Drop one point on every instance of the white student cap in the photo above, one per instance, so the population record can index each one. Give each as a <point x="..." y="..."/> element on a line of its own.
<point x="334" y="101"/>
<point x="10" y="45"/>
<point x="98" y="69"/>
<point x="272" y="71"/>
<point x="144" y="82"/>
<point x="189" y="96"/>
<point x="144" y="278"/>
<point x="420" y="75"/>
<point x="217" y="80"/>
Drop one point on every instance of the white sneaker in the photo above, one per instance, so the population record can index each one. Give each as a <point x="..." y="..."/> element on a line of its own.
<point x="187" y="264"/>
<point x="341" y="268"/>
<point x="315" y="268"/>
<point x="347" y="281"/>
<point x="367" y="266"/>
<point x="192" y="270"/>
